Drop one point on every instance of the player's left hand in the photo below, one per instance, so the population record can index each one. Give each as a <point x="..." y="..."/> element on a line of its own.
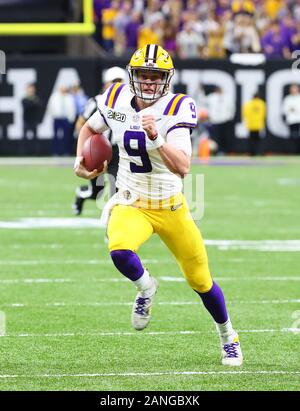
<point x="148" y="124"/>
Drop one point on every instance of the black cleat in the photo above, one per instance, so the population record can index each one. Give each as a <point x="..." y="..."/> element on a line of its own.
<point x="82" y="193"/>
<point x="77" y="205"/>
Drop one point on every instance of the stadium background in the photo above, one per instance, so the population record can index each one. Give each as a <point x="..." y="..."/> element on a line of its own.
<point x="62" y="330"/>
<point x="44" y="60"/>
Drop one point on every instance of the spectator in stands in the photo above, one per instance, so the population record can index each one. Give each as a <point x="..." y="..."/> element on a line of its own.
<point x="262" y="21"/>
<point x="274" y="46"/>
<point x="62" y="109"/>
<point x="120" y="23"/>
<point x="288" y="29"/>
<point x="172" y="24"/>
<point x="221" y="114"/>
<point x="108" y="29"/>
<point x="296" y="10"/>
<point x="291" y="111"/>
<point x="222" y="6"/>
<point x="228" y="27"/>
<point x="207" y="24"/>
<point x="128" y="24"/>
<point x="245" y="36"/>
<point x="99" y="5"/>
<point x="152" y="13"/>
<point x="151" y="34"/>
<point x="131" y="31"/>
<point x="80" y="98"/>
<point x="242" y="7"/>
<point x="295" y="38"/>
<point x="169" y="37"/>
<point x="254" y="117"/>
<point x="31" y="112"/>
<point x="173" y="9"/>
<point x="189" y="43"/>
<point x="215" y="44"/>
<point x="272" y="7"/>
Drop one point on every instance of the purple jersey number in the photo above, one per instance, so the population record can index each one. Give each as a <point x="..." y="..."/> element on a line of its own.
<point x="193" y="110"/>
<point x="140" y="151"/>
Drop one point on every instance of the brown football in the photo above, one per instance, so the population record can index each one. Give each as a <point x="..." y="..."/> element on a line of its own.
<point x="95" y="151"/>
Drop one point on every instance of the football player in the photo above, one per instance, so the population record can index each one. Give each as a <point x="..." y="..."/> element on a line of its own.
<point x="93" y="191"/>
<point x="152" y="127"/>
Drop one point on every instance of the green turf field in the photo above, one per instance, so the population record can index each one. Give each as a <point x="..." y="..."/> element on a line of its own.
<point x="65" y="310"/>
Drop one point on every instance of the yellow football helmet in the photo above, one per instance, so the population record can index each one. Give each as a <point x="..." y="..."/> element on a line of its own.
<point x="150" y="58"/>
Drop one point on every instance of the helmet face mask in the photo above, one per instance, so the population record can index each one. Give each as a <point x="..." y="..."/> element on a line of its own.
<point x="138" y="84"/>
<point x="151" y="60"/>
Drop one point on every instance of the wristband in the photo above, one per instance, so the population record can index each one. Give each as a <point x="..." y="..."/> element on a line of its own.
<point x="158" y="142"/>
<point x="77" y="162"/>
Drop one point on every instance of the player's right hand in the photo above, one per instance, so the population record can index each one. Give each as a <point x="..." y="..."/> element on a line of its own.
<point x="82" y="172"/>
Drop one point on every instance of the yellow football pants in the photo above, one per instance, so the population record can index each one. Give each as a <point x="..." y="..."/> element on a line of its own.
<point x="129" y="227"/>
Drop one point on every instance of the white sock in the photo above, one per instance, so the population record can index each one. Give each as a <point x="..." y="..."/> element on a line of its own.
<point x="144" y="283"/>
<point x="226" y="332"/>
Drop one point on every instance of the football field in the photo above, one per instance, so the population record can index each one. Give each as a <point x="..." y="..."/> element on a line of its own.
<point x="65" y="309"/>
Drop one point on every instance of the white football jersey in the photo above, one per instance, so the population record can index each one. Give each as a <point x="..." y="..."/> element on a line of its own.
<point x="141" y="169"/>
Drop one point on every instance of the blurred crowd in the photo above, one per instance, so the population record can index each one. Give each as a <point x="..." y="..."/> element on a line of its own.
<point x="200" y="28"/>
<point x="65" y="105"/>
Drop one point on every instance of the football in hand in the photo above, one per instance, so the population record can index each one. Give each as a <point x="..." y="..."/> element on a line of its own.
<point x="95" y="151"/>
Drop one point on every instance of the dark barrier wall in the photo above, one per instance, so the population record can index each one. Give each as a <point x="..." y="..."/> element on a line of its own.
<point x="239" y="83"/>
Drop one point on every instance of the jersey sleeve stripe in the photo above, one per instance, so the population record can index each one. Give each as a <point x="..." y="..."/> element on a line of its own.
<point x="109" y="94"/>
<point x="182" y="125"/>
<point x="165" y="113"/>
<point x="178" y="104"/>
<point x="117" y="93"/>
<point x="113" y="94"/>
<point x="174" y="104"/>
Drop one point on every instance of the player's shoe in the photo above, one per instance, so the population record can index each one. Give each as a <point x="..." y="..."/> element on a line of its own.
<point x="82" y="193"/>
<point x="141" y="310"/>
<point x="232" y="353"/>
<point x="77" y="205"/>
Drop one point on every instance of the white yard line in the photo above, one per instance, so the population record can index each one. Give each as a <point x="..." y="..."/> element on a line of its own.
<point x="138" y="334"/>
<point x="51" y="222"/>
<point x="255" y="245"/>
<point x="151" y="374"/>
<point x="32" y="281"/>
<point x="71" y="262"/>
<point x="163" y="303"/>
<point x="241" y="278"/>
<point x="36" y="281"/>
